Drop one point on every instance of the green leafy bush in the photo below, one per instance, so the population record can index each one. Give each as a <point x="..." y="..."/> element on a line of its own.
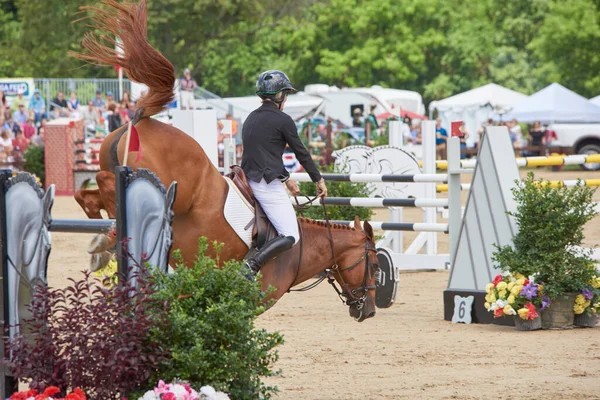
<point x="34" y="162"/>
<point x="547" y="245"/>
<point x="211" y="337"/>
<point x="337" y="189"/>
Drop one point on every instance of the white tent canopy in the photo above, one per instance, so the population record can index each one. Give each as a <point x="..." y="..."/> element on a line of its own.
<point x="595" y="100"/>
<point x="475" y="106"/>
<point x="555" y="104"/>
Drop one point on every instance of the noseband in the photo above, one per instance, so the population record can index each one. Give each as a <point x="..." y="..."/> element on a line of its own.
<point x="351" y="297"/>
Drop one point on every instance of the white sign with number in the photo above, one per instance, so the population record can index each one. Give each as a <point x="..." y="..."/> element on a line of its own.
<point x="462" y="309"/>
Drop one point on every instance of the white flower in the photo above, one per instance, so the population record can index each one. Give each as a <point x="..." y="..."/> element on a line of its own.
<point x="150" y="395"/>
<point x="501" y="303"/>
<point x="209" y="393"/>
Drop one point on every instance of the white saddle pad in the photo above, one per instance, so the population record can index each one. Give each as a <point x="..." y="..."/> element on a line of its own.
<point x="239" y="213"/>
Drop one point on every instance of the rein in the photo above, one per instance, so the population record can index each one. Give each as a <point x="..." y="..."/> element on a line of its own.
<point x="348" y="296"/>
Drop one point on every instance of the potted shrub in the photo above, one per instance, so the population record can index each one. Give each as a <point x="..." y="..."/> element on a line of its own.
<point x="517" y="296"/>
<point x="547" y="244"/>
<point x="587" y="304"/>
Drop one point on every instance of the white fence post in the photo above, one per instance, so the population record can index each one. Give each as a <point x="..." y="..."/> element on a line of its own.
<point x="429" y="214"/>
<point x="454" y="202"/>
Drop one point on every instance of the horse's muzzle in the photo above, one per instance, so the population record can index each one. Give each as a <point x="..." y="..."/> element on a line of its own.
<point x="368" y="310"/>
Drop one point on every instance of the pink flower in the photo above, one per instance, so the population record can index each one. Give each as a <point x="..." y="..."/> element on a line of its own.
<point x="161" y="388"/>
<point x="169" y="396"/>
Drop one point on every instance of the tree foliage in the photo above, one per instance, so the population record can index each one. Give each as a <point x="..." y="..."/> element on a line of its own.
<point x="436" y="47"/>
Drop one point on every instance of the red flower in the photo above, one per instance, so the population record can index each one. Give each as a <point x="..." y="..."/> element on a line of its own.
<point x="526" y="282"/>
<point x="51" y="391"/>
<point x="169" y="396"/>
<point x="498" y="313"/>
<point x="532" y="313"/>
<point x="497" y="280"/>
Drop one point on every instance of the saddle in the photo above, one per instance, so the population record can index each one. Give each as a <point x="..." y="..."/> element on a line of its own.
<point x="263" y="230"/>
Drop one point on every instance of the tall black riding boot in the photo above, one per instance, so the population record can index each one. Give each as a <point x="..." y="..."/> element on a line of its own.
<point x="269" y="251"/>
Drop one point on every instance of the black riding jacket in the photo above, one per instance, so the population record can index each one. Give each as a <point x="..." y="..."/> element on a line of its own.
<point x="265" y="133"/>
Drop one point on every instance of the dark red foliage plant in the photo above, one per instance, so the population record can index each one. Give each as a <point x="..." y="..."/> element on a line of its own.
<point x="90" y="336"/>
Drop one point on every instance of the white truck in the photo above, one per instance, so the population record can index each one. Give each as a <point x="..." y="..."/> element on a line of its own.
<point x="577" y="139"/>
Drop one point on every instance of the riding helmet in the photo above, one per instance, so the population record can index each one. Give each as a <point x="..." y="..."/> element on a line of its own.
<point x="271" y="82"/>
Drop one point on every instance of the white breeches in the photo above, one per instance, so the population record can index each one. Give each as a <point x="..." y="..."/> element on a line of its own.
<point x="275" y="202"/>
<point x="187" y="99"/>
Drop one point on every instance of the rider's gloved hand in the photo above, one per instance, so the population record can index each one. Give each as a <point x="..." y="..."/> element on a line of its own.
<point x="292" y="187"/>
<point x="321" y="188"/>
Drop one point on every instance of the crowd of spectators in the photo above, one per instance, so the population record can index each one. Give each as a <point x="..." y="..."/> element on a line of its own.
<point x="23" y="120"/>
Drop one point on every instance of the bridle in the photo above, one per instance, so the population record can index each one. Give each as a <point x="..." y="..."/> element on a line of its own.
<point x="351" y="297"/>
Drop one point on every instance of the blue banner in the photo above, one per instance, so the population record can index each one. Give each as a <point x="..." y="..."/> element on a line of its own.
<point x="11" y="88"/>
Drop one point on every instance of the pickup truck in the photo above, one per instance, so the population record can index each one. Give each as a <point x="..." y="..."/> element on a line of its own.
<point x="577" y="139"/>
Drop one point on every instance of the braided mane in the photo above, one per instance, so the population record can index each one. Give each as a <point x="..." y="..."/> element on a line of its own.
<point x="324" y="224"/>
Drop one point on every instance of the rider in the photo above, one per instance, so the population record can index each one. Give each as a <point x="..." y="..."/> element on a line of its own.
<point x="265" y="134"/>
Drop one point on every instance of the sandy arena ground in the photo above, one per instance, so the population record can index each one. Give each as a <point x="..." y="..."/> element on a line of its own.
<point x="407" y="351"/>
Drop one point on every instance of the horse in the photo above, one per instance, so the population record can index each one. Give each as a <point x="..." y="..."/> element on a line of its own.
<point x="348" y="254"/>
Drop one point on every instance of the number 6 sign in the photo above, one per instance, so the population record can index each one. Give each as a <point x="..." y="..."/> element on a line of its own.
<point x="462" y="309"/>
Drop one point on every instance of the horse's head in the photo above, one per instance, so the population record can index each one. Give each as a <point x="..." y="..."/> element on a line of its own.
<point x="357" y="268"/>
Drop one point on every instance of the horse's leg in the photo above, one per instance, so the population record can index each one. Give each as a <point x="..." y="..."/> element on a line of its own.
<point x="91" y="202"/>
<point x="106" y="185"/>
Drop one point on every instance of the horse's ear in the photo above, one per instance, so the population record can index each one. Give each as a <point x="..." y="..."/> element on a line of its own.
<point x="369" y="230"/>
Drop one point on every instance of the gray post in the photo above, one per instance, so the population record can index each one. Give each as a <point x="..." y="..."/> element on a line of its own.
<point x="8" y="384"/>
<point x="454" y="204"/>
<point x="228" y="153"/>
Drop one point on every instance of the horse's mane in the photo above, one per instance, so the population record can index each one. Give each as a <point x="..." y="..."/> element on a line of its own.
<point x="324" y="224"/>
<point x="142" y="63"/>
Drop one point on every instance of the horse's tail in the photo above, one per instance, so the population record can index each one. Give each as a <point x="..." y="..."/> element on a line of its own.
<point x="142" y="62"/>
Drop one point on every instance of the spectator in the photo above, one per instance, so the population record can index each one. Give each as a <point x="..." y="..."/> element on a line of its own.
<point x="6" y="146"/>
<point x="3" y="102"/>
<point x="538" y="137"/>
<point x="8" y="115"/>
<point x="126" y="99"/>
<point x="463" y="140"/>
<point x="20" y="143"/>
<point x="516" y="134"/>
<point x="187" y="84"/>
<point x="4" y="124"/>
<point x="28" y="128"/>
<point x="73" y="105"/>
<point x="131" y="110"/>
<point x="91" y="118"/>
<point x="99" y="103"/>
<point x="20" y="99"/>
<point x="114" y="120"/>
<point x="37" y="105"/>
<point x="122" y="111"/>
<point x="357" y="118"/>
<point x="59" y="106"/>
<point x="441" y="137"/>
<point x="20" y="117"/>
<point x="38" y="140"/>
<point x="110" y="99"/>
<point x="371" y="126"/>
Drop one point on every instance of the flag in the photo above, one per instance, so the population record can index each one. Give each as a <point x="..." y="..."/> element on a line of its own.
<point x="456" y="129"/>
<point x="135" y="144"/>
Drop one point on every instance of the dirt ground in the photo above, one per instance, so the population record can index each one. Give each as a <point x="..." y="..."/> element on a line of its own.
<point x="407" y="351"/>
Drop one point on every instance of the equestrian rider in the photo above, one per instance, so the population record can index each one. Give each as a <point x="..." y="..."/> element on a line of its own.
<point x="265" y="134"/>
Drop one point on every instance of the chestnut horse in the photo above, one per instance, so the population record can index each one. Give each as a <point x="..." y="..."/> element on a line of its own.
<point x="201" y="190"/>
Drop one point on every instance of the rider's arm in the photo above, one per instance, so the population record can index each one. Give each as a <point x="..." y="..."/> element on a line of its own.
<point x="291" y="136"/>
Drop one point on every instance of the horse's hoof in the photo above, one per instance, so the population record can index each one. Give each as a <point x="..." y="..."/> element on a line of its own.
<point x="100" y="260"/>
<point x="100" y="243"/>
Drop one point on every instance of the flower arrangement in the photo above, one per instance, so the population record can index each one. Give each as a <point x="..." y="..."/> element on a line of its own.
<point x="50" y="391"/>
<point x="182" y="391"/>
<point x="515" y="295"/>
<point x="588" y="298"/>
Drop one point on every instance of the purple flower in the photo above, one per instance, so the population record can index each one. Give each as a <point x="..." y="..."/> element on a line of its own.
<point x="530" y="290"/>
<point x="545" y="302"/>
<point x="587" y="293"/>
